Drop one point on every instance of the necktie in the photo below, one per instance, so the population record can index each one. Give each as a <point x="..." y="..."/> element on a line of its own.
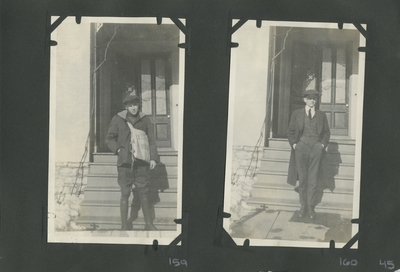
<point x="309" y="114"/>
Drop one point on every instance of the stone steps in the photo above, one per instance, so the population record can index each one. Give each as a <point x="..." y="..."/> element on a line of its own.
<point x="111" y="180"/>
<point x="338" y="145"/>
<point x="272" y="190"/>
<point x="165" y="157"/>
<point x="281" y="165"/>
<point x="340" y="196"/>
<point x="111" y="208"/>
<point x="114" y="223"/>
<point x="111" y="168"/>
<point x="102" y="193"/>
<point x="341" y="182"/>
<point x="333" y="157"/>
<point x="293" y="205"/>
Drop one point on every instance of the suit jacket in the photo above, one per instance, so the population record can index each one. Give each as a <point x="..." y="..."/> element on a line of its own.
<point x="295" y="131"/>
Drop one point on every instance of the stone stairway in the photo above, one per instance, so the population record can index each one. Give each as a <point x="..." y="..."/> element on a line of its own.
<point x="271" y="188"/>
<point x="100" y="208"/>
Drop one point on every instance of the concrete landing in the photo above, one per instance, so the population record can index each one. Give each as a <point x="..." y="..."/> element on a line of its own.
<point x="284" y="225"/>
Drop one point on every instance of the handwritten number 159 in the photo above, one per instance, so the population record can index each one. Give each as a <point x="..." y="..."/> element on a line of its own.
<point x="177" y="262"/>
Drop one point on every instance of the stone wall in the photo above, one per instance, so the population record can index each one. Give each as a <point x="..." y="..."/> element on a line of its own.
<point x="70" y="180"/>
<point x="245" y="161"/>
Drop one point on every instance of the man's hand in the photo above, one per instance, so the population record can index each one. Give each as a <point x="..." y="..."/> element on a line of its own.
<point x="152" y="164"/>
<point x="294" y="146"/>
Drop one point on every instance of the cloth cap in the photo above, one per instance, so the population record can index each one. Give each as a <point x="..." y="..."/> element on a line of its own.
<point x="310" y="92"/>
<point x="131" y="98"/>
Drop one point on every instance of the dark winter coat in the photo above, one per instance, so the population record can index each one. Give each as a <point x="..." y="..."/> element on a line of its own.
<point x="295" y="131"/>
<point x="119" y="136"/>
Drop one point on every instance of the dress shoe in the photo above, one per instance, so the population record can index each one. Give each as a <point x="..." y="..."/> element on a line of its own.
<point x="311" y="212"/>
<point x="302" y="212"/>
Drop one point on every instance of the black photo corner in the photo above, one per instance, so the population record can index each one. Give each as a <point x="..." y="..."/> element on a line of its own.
<point x="192" y="233"/>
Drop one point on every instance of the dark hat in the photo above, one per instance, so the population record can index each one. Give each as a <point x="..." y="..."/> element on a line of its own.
<point x="310" y="92"/>
<point x="131" y="98"/>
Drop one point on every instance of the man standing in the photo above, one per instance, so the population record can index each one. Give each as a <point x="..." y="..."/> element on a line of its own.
<point x="131" y="137"/>
<point x="308" y="135"/>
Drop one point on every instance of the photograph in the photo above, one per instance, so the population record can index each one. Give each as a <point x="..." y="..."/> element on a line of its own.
<point x="294" y="135"/>
<point x="115" y="131"/>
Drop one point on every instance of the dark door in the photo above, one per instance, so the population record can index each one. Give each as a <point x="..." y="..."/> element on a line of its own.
<point x="324" y="68"/>
<point x="334" y="87"/>
<point x="154" y="80"/>
<point x="149" y="78"/>
<point x="311" y="59"/>
<point x="304" y="73"/>
<point x="126" y="58"/>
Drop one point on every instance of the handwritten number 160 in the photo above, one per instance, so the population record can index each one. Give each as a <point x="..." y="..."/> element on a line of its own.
<point x="346" y="262"/>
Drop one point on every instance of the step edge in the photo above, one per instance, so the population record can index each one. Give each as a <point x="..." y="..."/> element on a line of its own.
<point x="276" y="173"/>
<point x="161" y="204"/>
<point x="282" y="149"/>
<point x="105" y="188"/>
<point x="112" y="219"/>
<point x="287" y="161"/>
<point x="337" y="191"/>
<point x="163" y="152"/>
<point x="262" y="200"/>
<point x="116" y="175"/>
<point x="170" y="164"/>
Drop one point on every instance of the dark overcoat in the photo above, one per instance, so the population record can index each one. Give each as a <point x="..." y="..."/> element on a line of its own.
<point x="119" y="136"/>
<point x="295" y="131"/>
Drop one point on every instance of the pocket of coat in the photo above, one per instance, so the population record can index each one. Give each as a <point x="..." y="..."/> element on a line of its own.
<point x="123" y="155"/>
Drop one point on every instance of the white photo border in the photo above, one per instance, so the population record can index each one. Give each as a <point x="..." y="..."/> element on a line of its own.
<point x="139" y="237"/>
<point x="231" y="122"/>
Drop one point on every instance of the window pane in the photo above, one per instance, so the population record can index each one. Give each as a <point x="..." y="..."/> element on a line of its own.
<point x="329" y="117"/>
<point x="340" y="120"/>
<point x="146" y="87"/>
<point x="161" y="132"/>
<point x="326" y="84"/>
<point x="161" y="94"/>
<point x="340" y="92"/>
<point x="304" y="75"/>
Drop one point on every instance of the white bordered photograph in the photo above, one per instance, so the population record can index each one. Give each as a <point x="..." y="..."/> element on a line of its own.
<point x="294" y="134"/>
<point x="116" y="124"/>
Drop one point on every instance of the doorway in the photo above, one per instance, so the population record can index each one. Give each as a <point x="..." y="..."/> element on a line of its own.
<point x="313" y="59"/>
<point x="139" y="58"/>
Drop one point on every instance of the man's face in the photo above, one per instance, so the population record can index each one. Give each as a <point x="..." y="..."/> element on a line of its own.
<point x="310" y="100"/>
<point x="133" y="108"/>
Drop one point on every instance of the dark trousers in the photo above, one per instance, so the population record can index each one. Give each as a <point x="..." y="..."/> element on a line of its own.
<point x="308" y="160"/>
<point x="138" y="177"/>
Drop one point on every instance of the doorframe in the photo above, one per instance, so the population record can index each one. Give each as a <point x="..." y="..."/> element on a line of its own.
<point x="282" y="84"/>
<point x="168" y="82"/>
<point x="349" y="56"/>
<point x="176" y="92"/>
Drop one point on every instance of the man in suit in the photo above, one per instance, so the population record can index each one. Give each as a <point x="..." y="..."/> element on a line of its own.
<point x="308" y="135"/>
